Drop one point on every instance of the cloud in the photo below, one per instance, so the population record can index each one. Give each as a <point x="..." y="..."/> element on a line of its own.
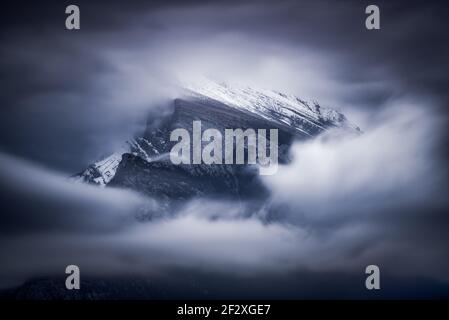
<point x="49" y="222"/>
<point x="370" y="198"/>
<point x="95" y="88"/>
<point x="398" y="150"/>
<point x="36" y="200"/>
<point x="343" y="203"/>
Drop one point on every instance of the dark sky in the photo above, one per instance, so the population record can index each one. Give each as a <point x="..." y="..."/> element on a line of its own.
<point x="69" y="97"/>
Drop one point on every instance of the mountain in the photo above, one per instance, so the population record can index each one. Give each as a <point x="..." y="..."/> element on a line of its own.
<point x="144" y="165"/>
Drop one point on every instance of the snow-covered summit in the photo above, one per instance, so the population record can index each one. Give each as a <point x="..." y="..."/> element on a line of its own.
<point x="269" y="104"/>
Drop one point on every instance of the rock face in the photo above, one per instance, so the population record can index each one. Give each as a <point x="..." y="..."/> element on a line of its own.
<point x="144" y="164"/>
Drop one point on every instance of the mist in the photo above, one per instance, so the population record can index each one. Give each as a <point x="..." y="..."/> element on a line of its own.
<point x="344" y="202"/>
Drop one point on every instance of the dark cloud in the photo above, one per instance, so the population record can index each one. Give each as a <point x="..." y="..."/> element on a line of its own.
<point x="67" y="83"/>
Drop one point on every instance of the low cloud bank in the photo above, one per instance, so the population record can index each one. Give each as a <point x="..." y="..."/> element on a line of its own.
<point x="343" y="203"/>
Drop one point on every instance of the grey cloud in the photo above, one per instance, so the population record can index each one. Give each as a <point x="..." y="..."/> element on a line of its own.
<point x="93" y="89"/>
<point x="69" y="98"/>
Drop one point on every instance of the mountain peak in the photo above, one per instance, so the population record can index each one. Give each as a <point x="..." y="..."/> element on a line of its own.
<point x="218" y="105"/>
<point x="270" y="104"/>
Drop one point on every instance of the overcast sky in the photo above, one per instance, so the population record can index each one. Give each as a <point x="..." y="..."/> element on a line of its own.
<point x="69" y="97"/>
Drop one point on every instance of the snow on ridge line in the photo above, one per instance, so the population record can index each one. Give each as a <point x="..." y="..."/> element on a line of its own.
<point x="265" y="102"/>
<point x="102" y="171"/>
